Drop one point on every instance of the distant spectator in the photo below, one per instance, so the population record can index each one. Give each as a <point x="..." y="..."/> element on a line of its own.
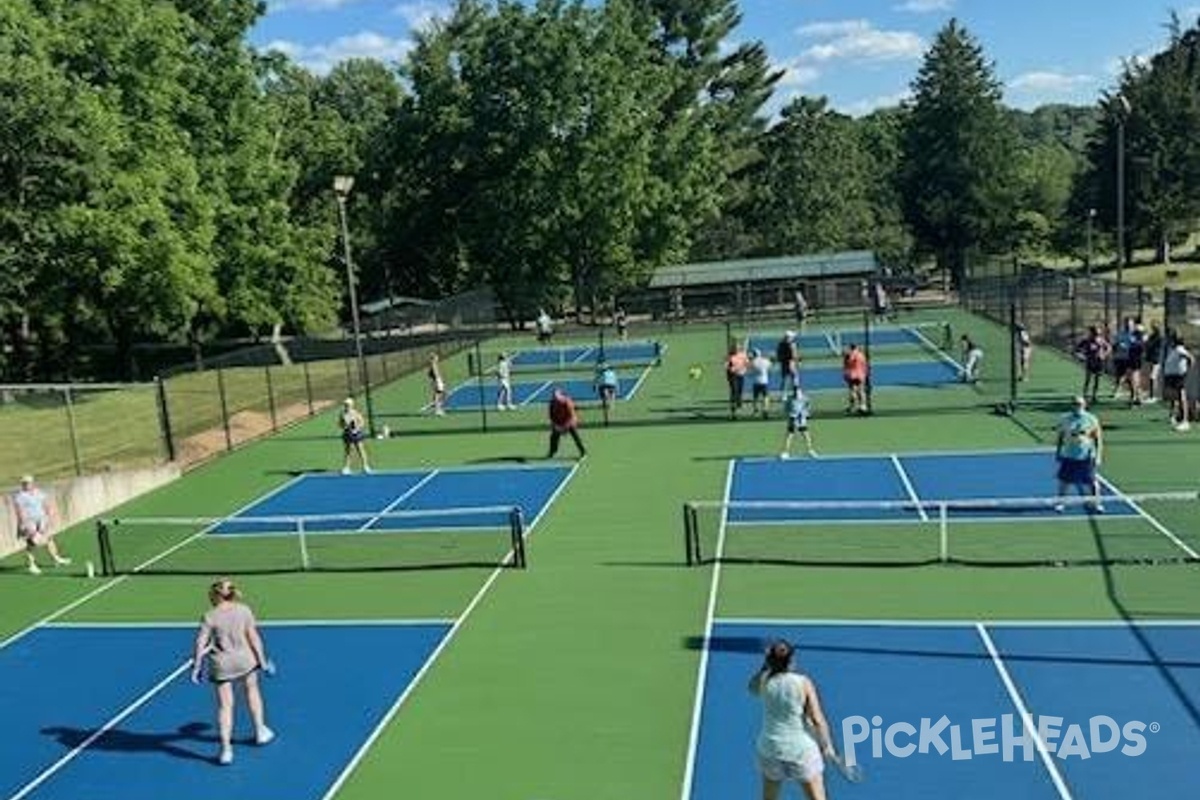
<point x="880" y="303"/>
<point x="760" y="366"/>
<point x="972" y="355"/>
<point x="1128" y="347"/>
<point x="736" y="364"/>
<point x="621" y="320"/>
<point x="854" y="374"/>
<point x="504" y="397"/>
<point x="1024" y="352"/>
<point x="787" y="354"/>
<point x="564" y="419"/>
<point x="801" y="305"/>
<point x="437" y="385"/>
<point x="1092" y="350"/>
<point x="36" y="518"/>
<point x="1176" y="365"/>
<point x="544" y="326"/>
<point x="1152" y="371"/>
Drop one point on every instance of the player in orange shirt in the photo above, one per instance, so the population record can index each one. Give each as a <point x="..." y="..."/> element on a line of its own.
<point x="854" y="373"/>
<point x="563" y="419"/>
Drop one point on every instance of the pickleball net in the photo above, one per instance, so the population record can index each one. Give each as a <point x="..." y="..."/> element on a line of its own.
<point x="483" y="536"/>
<point x="1158" y="528"/>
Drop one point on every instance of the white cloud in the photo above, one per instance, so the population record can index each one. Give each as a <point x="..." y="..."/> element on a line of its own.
<point x="859" y="40"/>
<point x="1049" y="82"/>
<point x="860" y="108"/>
<point x="925" y="6"/>
<point x="421" y="13"/>
<point x="796" y="74"/>
<point x="321" y="58"/>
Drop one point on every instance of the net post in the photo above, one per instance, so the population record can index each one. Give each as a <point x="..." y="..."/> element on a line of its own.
<point x="308" y="390"/>
<point x="164" y="417"/>
<point x="943" y="533"/>
<point x="1013" y="355"/>
<point x="224" y="408"/>
<point x="869" y="390"/>
<point x="73" y="429"/>
<point x="483" y="416"/>
<point x="694" y="523"/>
<point x="687" y="535"/>
<point x="271" y="398"/>
<point x="302" y="537"/>
<point x="104" y="545"/>
<point x="517" y="530"/>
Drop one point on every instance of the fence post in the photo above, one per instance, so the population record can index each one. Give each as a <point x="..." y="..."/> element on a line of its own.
<point x="867" y="354"/>
<point x="1013" y="355"/>
<point x="164" y="417"/>
<point x="308" y="394"/>
<point x="73" y="429"/>
<point x="482" y="393"/>
<point x="349" y="378"/>
<point x="271" y="398"/>
<point x="224" y="408"/>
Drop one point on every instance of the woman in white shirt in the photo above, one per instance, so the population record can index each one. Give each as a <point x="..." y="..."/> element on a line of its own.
<point x="794" y="739"/>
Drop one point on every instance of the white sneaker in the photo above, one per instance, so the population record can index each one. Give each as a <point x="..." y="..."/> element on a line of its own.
<point x="264" y="736"/>
<point x="784" y="456"/>
<point x="813" y="453"/>
<point x="367" y="471"/>
<point x="226" y="756"/>
<point x="34" y="569"/>
<point x="62" y="561"/>
<point x="441" y="412"/>
<point x="1059" y="508"/>
<point x="1183" y="426"/>
<point x="345" y="470"/>
<point x="1098" y="508"/>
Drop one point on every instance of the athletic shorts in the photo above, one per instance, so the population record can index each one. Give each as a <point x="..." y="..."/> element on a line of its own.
<point x="760" y="390"/>
<point x="353" y="437"/>
<point x="853" y="383"/>
<point x="1077" y="472"/>
<point x="33" y="532"/>
<point x="1120" y="367"/>
<point x="1135" y="362"/>
<point x="803" y="771"/>
<point x="1174" y="382"/>
<point x="795" y="426"/>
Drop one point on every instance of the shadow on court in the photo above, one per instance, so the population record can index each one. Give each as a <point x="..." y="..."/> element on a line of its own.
<point x="175" y="744"/>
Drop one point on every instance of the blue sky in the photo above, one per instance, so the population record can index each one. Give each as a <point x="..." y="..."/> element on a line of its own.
<point x="861" y="54"/>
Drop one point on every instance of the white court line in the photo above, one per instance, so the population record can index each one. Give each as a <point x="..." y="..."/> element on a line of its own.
<point x="534" y="395"/>
<point x="925" y="454"/>
<point x="833" y="345"/>
<point x="379" y="728"/>
<point x="961" y="623"/>
<point x="908" y="486"/>
<point x="641" y="379"/>
<point x="1154" y="523"/>
<point x="689" y="772"/>
<point x="99" y="590"/>
<point x="941" y="354"/>
<point x="128" y="711"/>
<point x="404" y="496"/>
<point x="274" y="623"/>
<point x="1026" y="717"/>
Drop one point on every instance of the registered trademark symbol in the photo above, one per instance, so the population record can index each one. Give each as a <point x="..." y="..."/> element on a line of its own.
<point x="1155" y="727"/>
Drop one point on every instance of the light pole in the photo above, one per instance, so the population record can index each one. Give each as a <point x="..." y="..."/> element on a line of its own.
<point x="1091" y="219"/>
<point x="342" y="185"/>
<point x="1123" y="112"/>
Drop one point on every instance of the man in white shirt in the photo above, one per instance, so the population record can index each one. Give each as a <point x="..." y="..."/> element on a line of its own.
<point x="1176" y="365"/>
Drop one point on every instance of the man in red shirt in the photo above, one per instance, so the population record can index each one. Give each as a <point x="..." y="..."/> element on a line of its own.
<point x="563" y="419"/>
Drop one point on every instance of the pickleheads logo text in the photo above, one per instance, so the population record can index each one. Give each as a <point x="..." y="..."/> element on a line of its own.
<point x="1005" y="737"/>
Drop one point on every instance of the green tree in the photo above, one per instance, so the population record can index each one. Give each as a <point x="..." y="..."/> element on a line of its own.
<point x="958" y="178"/>
<point x="814" y="186"/>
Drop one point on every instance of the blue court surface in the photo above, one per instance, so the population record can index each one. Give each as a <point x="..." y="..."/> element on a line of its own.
<point x="468" y="397"/>
<point x="589" y="354"/>
<point x="884" y="374"/>
<point x="421" y="494"/>
<point x="1114" y="708"/>
<point x="835" y="340"/>
<point x="131" y="726"/>
<point x="915" y="482"/>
